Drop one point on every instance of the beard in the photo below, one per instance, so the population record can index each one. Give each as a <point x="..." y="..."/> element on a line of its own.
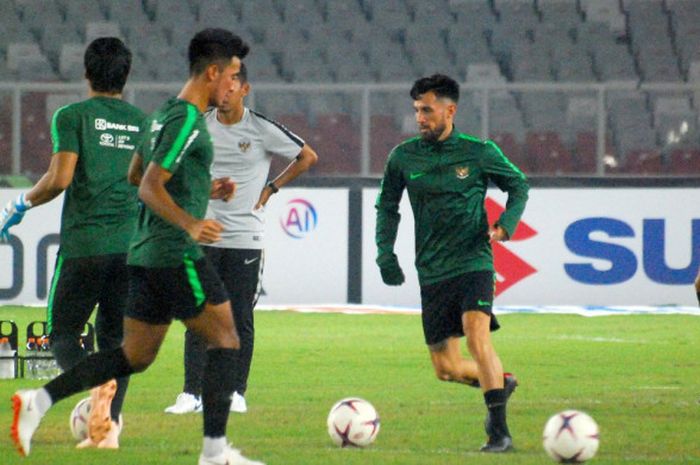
<point x="434" y="134"/>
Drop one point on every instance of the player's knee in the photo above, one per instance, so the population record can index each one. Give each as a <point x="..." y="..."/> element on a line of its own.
<point x="225" y="340"/>
<point x="140" y="361"/>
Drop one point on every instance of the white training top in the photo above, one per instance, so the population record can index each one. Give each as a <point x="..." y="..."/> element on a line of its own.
<point x="242" y="151"/>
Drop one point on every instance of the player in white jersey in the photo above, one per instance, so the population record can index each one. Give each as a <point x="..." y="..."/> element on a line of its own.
<point x="243" y="140"/>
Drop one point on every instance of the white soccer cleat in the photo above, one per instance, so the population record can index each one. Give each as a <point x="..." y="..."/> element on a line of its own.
<point x="25" y="420"/>
<point x="185" y="403"/>
<point x="229" y="456"/>
<point x="238" y="403"/>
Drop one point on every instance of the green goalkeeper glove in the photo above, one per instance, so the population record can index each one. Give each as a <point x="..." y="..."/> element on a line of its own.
<point x="392" y="275"/>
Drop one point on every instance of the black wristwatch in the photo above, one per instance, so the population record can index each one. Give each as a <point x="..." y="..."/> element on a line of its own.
<point x="272" y="186"/>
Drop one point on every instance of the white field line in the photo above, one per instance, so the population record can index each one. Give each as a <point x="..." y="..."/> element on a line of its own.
<point x="546" y="309"/>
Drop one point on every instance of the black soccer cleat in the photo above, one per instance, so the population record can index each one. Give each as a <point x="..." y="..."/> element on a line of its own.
<point x="497" y="446"/>
<point x="510" y="382"/>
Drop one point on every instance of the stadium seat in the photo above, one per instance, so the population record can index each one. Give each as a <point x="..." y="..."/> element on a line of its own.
<point x="384" y="136"/>
<point x="685" y="162"/>
<point x="26" y="62"/>
<point x="54" y="35"/>
<point x="70" y="62"/>
<point x="643" y="162"/>
<point x="35" y="139"/>
<point x="95" y="29"/>
<point x="512" y="150"/>
<point x="5" y="133"/>
<point x="218" y="13"/>
<point x="548" y="153"/>
<point x="130" y="16"/>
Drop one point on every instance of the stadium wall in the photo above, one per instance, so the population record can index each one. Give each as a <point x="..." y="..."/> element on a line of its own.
<point x="582" y="241"/>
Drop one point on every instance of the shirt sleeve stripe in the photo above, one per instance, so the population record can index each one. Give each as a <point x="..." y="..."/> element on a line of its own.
<point x="184" y="133"/>
<point x="54" y="130"/>
<point x="296" y="139"/>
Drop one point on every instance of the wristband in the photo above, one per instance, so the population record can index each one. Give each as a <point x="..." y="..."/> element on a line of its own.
<point x="273" y="187"/>
<point x="22" y="204"/>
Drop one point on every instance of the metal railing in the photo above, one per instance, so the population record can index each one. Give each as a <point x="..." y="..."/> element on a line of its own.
<point x="479" y="105"/>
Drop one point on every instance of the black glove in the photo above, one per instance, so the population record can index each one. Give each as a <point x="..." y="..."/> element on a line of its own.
<point x="392" y="274"/>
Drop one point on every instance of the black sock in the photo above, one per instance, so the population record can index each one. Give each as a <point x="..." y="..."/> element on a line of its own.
<point x="195" y="359"/>
<point x="495" y="400"/>
<point x="217" y="387"/>
<point x="698" y="293"/>
<point x="96" y="369"/>
<point x="118" y="401"/>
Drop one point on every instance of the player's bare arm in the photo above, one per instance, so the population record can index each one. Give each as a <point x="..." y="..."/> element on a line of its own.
<point x="56" y="179"/>
<point x="301" y="164"/>
<point x="135" y="172"/>
<point x="153" y="193"/>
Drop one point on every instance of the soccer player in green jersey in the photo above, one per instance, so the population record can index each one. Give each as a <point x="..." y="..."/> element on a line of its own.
<point x="169" y="277"/>
<point x="92" y="145"/>
<point x="446" y="174"/>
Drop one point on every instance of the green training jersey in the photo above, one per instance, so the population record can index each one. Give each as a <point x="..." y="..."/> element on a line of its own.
<point x="446" y="183"/>
<point x="99" y="206"/>
<point x="177" y="141"/>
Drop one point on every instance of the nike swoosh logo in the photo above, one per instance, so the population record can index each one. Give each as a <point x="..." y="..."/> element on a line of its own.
<point x="248" y="261"/>
<point x="413" y="176"/>
<point x="483" y="302"/>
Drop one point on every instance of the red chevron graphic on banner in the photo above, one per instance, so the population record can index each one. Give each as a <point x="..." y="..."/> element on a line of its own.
<point x="510" y="269"/>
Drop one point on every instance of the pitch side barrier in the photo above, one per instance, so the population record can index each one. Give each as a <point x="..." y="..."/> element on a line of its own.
<point x="581" y="242"/>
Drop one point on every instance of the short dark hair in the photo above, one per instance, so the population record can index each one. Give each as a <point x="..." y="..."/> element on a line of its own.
<point x="441" y="85"/>
<point x="107" y="64"/>
<point x="214" y="45"/>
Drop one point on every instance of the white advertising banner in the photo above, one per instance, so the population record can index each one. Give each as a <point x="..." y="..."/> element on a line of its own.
<point x="574" y="246"/>
<point x="585" y="246"/>
<point x="306" y="255"/>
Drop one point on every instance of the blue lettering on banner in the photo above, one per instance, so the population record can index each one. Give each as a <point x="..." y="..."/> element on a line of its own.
<point x="654" y="254"/>
<point x="623" y="262"/>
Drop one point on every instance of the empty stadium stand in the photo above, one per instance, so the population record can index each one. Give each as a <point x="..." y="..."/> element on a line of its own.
<point x="479" y="42"/>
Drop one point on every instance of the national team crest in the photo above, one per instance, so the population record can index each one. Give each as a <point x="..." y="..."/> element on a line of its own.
<point x="462" y="172"/>
<point x="244" y="145"/>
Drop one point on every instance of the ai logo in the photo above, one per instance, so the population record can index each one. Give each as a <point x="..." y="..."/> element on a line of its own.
<point x="300" y="218"/>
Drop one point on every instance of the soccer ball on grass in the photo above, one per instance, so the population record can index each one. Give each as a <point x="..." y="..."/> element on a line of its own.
<point x="571" y="437"/>
<point x="79" y="419"/>
<point x="353" y="422"/>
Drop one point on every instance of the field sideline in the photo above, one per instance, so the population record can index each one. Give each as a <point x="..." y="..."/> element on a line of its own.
<point x="638" y="376"/>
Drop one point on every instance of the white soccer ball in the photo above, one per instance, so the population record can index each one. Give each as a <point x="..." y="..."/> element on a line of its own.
<point x="353" y="422"/>
<point x="79" y="419"/>
<point x="570" y="437"/>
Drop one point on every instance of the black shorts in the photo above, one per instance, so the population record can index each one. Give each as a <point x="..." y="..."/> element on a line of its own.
<point x="80" y="283"/>
<point x="157" y="295"/>
<point x="445" y="302"/>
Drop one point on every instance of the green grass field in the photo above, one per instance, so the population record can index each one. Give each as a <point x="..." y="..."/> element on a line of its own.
<point x="638" y="376"/>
